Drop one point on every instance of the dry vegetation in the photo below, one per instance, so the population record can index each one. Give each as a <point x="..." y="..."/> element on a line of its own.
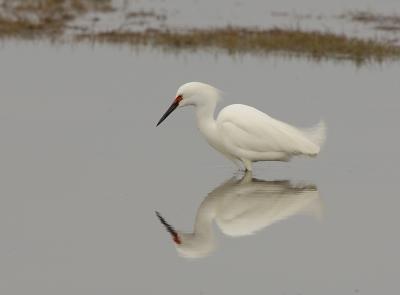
<point x="381" y="21"/>
<point x="35" y="18"/>
<point x="50" y="18"/>
<point x="146" y="14"/>
<point x="368" y="17"/>
<point x="238" y="40"/>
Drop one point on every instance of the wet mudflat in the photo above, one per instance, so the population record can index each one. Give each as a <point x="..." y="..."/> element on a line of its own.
<point x="83" y="168"/>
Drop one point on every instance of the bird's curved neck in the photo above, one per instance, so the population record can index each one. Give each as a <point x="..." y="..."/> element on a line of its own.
<point x="205" y="112"/>
<point x="205" y="216"/>
<point x="205" y="118"/>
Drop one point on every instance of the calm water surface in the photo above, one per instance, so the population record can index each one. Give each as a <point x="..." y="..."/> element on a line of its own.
<point x="315" y="15"/>
<point x="83" y="168"/>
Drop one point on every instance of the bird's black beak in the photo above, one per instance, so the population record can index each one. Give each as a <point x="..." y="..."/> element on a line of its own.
<point x="172" y="107"/>
<point x="170" y="229"/>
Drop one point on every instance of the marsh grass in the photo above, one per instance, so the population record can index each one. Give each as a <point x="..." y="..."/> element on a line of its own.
<point x="50" y="18"/>
<point x="35" y="18"/>
<point x="388" y="28"/>
<point x="370" y="17"/>
<point x="51" y="6"/>
<point x="381" y="21"/>
<point x="316" y="45"/>
<point x="25" y="28"/>
<point x="146" y="14"/>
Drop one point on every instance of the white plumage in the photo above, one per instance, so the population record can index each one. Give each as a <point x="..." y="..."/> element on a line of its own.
<point x="244" y="207"/>
<point x="243" y="133"/>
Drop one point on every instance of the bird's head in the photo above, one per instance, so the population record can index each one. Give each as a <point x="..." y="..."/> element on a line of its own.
<point x="189" y="245"/>
<point x="176" y="236"/>
<point x="192" y="93"/>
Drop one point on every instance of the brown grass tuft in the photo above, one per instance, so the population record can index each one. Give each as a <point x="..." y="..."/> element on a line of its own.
<point x="33" y="18"/>
<point x="316" y="45"/>
<point x="370" y="17"/>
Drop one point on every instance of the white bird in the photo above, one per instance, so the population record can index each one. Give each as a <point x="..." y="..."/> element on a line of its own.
<point x="242" y="133"/>
<point x="243" y="207"/>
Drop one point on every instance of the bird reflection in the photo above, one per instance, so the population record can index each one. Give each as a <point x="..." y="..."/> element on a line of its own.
<point x="243" y="207"/>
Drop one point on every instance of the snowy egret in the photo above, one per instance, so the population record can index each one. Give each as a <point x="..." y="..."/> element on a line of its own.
<point x="242" y="133"/>
<point x="243" y="207"/>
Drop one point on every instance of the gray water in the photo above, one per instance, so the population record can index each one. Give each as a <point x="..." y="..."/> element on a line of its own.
<point x="315" y="15"/>
<point x="83" y="168"/>
<point x="307" y="15"/>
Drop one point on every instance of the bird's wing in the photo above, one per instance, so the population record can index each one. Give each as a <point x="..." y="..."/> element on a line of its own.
<point x="255" y="206"/>
<point x="248" y="129"/>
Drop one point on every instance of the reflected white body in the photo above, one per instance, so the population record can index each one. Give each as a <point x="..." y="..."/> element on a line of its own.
<point x="243" y="207"/>
<point x="244" y="134"/>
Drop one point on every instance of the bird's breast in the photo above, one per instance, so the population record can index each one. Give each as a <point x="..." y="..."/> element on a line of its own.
<point x="210" y="133"/>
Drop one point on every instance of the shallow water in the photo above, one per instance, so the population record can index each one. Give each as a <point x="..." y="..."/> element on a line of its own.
<point x="315" y="15"/>
<point x="83" y="168"/>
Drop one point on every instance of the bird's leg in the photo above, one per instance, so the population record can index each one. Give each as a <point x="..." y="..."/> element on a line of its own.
<point x="247" y="164"/>
<point x="247" y="177"/>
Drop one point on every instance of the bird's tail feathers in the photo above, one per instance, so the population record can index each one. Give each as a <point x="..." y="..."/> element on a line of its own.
<point x="316" y="134"/>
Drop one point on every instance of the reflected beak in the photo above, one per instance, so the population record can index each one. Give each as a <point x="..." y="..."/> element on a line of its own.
<point x="170" y="229"/>
<point x="172" y="107"/>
